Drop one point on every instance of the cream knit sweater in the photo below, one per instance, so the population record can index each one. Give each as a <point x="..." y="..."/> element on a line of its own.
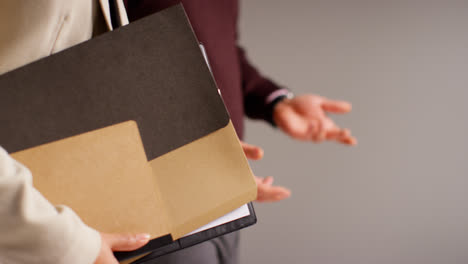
<point x="31" y="229"/>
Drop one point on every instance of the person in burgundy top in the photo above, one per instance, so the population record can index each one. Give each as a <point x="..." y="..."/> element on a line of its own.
<point x="245" y="92"/>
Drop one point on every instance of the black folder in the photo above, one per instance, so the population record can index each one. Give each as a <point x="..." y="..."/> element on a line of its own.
<point x="150" y="71"/>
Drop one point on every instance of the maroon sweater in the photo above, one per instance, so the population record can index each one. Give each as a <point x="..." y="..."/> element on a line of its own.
<point x="243" y="89"/>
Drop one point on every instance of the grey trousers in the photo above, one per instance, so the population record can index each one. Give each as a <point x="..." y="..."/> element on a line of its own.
<point x="221" y="250"/>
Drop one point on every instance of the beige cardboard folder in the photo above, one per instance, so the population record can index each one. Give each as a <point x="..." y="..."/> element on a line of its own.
<point x="105" y="177"/>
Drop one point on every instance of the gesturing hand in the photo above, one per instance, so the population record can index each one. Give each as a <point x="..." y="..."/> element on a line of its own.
<point x="119" y="242"/>
<point x="304" y="118"/>
<point x="266" y="192"/>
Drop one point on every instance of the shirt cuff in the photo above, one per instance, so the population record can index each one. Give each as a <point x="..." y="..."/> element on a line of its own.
<point x="281" y="92"/>
<point x="273" y="99"/>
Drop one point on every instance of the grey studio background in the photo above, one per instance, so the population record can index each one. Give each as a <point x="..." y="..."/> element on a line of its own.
<point x="401" y="195"/>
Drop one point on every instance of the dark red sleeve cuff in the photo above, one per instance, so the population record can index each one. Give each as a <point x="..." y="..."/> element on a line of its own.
<point x="256" y="89"/>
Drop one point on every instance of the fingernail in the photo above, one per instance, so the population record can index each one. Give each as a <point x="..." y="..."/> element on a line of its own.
<point x="142" y="237"/>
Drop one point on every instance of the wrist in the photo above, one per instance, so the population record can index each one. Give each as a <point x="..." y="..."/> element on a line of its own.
<point x="279" y="106"/>
<point x="281" y="98"/>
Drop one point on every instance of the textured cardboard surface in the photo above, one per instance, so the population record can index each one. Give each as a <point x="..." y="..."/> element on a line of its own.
<point x="151" y="71"/>
<point x="103" y="175"/>
<point x="216" y="178"/>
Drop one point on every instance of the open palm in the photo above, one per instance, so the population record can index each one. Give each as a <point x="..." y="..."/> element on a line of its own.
<point x="305" y="118"/>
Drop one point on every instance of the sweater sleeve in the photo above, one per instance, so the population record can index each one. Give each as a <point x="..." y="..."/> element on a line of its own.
<point x="31" y="229"/>
<point x="34" y="231"/>
<point x="256" y="89"/>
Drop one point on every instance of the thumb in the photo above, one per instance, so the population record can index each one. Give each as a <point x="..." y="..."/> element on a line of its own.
<point x="125" y="242"/>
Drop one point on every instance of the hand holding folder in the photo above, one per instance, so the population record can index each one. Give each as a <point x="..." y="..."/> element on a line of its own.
<point x="129" y="130"/>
